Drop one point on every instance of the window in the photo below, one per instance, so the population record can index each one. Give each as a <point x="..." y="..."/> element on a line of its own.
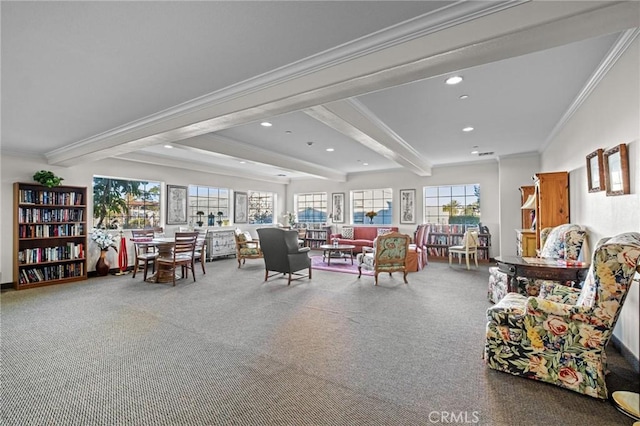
<point x="372" y="206"/>
<point x="311" y="207"/>
<point x="208" y="201"/>
<point x="452" y="204"/>
<point x="261" y="207"/>
<point x="125" y="202"/>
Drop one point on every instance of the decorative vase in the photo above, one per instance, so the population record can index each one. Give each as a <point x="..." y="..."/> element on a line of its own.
<point x="371" y="220"/>
<point x="219" y="223"/>
<point x="102" y="265"/>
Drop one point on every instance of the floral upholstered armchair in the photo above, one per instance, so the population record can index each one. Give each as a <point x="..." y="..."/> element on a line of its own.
<point x="559" y="338"/>
<point x="246" y="247"/>
<point x="390" y="254"/>
<point x="561" y="242"/>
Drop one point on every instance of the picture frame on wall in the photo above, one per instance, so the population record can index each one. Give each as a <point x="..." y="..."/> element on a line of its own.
<point x="337" y="207"/>
<point x="616" y="170"/>
<point x="595" y="171"/>
<point x="177" y="197"/>
<point x="240" y="207"/>
<point x="407" y="206"/>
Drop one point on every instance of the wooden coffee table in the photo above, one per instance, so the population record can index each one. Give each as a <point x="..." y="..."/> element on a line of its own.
<point x="340" y="251"/>
<point x="515" y="266"/>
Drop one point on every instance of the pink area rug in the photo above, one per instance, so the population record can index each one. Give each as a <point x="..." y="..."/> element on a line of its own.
<point x="337" y="265"/>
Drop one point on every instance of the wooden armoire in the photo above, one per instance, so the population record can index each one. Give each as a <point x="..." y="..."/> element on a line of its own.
<point x="552" y="200"/>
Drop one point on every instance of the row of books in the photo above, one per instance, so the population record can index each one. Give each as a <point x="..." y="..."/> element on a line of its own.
<point x="70" y="251"/>
<point x="43" y="231"/>
<point x="449" y="228"/>
<point x="443" y="252"/>
<point x="53" y="272"/>
<point x="32" y="196"/>
<point x="452" y="240"/>
<point x="33" y="215"/>
<point x="317" y="235"/>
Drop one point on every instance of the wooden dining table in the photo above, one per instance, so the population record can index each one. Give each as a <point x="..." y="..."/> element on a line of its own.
<point x="164" y="273"/>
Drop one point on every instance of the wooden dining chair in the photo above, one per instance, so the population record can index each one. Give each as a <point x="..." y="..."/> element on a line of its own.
<point x="200" y="253"/>
<point x="145" y="254"/>
<point x="182" y="255"/>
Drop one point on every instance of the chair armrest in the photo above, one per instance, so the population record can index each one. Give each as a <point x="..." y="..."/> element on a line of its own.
<point x="554" y="291"/>
<point x="537" y="311"/>
<point x="302" y="250"/>
<point x="366" y="249"/>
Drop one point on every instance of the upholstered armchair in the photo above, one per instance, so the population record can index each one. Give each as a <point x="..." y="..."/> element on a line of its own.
<point x="560" y="337"/>
<point x="282" y="253"/>
<point x="561" y="242"/>
<point x="246" y="247"/>
<point x="389" y="254"/>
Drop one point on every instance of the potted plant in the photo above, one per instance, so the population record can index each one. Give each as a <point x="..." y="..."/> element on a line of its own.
<point x="47" y="178"/>
<point x="200" y="213"/>
<point x="219" y="221"/>
<point x="371" y="215"/>
<point x="103" y="240"/>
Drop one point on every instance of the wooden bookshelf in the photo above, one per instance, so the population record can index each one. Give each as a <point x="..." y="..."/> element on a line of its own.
<point x="49" y="235"/>
<point x="441" y="237"/>
<point x="314" y="238"/>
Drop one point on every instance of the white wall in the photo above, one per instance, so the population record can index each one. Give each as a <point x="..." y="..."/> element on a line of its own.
<point x="514" y="173"/>
<point x="610" y="116"/>
<point x="19" y="169"/>
<point x="485" y="174"/>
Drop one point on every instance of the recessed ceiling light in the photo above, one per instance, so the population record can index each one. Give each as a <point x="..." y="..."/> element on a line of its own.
<point x="453" y="80"/>
<point x="266" y="124"/>
<point x="468" y="129"/>
<point x="330" y="149"/>
<point x="474" y="152"/>
<point x="168" y="146"/>
<point x="243" y="162"/>
<point x="463" y="97"/>
<point x="365" y="164"/>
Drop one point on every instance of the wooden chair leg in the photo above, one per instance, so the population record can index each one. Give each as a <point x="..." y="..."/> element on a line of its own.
<point x="405" y="278"/>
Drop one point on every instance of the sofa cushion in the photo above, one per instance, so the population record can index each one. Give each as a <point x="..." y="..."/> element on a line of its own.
<point x="347" y="232"/>
<point x="382" y="231"/>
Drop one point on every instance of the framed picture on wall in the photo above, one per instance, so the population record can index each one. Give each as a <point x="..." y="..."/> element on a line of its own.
<point x="595" y="171"/>
<point x="176" y="205"/>
<point x="616" y="170"/>
<point x="407" y="206"/>
<point x="337" y="207"/>
<point x="240" y="207"/>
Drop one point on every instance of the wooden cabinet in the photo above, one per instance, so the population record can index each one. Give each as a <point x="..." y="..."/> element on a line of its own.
<point x="552" y="200"/>
<point x="443" y="236"/>
<point x="314" y="238"/>
<point x="49" y="235"/>
<point x="526" y="240"/>
<point x="220" y="243"/>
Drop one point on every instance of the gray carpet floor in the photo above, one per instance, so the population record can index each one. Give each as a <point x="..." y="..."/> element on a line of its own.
<point x="231" y="349"/>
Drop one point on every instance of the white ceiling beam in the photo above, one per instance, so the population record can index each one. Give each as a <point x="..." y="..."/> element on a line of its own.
<point x="518" y="30"/>
<point x="352" y="119"/>
<point x="239" y="150"/>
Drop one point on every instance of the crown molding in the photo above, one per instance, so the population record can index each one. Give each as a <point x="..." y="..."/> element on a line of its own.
<point x="412" y="29"/>
<point x="621" y="45"/>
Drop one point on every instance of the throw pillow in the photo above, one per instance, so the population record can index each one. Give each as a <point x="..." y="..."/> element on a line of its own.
<point x="347" y="233"/>
<point x="247" y="236"/>
<point x="382" y="231"/>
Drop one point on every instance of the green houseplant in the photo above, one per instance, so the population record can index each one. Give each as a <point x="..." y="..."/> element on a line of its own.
<point x="47" y="178"/>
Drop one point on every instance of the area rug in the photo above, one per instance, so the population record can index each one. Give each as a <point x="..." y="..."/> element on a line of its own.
<point x="337" y="265"/>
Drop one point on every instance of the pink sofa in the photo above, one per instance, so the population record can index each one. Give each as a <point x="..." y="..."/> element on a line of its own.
<point x="363" y="236"/>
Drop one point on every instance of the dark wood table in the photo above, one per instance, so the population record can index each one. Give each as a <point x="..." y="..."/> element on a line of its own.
<point x="340" y="251"/>
<point x="546" y="269"/>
